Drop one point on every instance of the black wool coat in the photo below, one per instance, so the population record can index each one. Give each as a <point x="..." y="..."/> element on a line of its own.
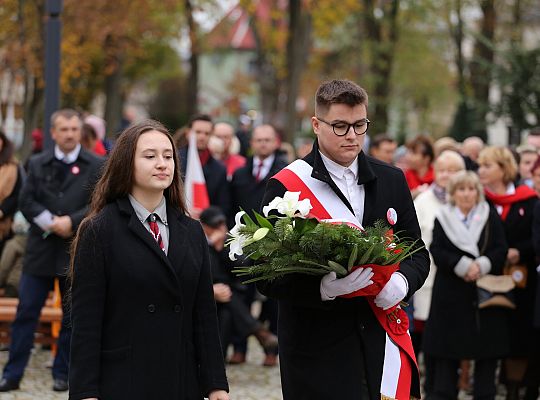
<point x="144" y="323"/>
<point x="246" y="192"/>
<point x="456" y="328"/>
<point x="325" y="346"/>
<point x="518" y="229"/>
<point x="62" y="192"/>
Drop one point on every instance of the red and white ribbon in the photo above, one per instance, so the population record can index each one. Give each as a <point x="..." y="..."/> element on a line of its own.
<point x="399" y="357"/>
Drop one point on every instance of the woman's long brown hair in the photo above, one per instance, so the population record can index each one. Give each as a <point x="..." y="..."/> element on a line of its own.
<point x="117" y="179"/>
<point x="7" y="150"/>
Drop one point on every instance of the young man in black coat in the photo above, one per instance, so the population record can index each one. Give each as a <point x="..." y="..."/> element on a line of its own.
<point x="333" y="348"/>
<point x="54" y="200"/>
<point x="247" y="191"/>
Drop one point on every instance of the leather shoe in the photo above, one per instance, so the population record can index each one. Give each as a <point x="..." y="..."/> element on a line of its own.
<point x="267" y="339"/>
<point x="237" y="358"/>
<point x="270" y="360"/>
<point x="60" y="385"/>
<point x="6" y="385"/>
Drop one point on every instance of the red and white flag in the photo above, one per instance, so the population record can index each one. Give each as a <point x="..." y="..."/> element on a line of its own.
<point x="195" y="184"/>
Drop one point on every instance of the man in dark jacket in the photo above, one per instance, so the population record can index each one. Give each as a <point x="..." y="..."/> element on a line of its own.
<point x="247" y="191"/>
<point x="215" y="173"/>
<point x="334" y="348"/>
<point x="54" y="200"/>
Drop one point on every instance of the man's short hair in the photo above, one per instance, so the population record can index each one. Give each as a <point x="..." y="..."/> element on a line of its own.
<point x="200" y="117"/>
<point x="338" y="91"/>
<point x="66" y="113"/>
<point x="379" y="139"/>
<point x="535" y="131"/>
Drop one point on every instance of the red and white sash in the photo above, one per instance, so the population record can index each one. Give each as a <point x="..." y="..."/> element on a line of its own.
<point x="400" y="367"/>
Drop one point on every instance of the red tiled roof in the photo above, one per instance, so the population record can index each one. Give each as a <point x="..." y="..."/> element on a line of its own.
<point x="233" y="31"/>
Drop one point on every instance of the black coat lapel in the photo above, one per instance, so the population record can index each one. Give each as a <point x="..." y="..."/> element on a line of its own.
<point x="77" y="169"/>
<point x="177" y="240"/>
<point x="367" y="177"/>
<point x="140" y="231"/>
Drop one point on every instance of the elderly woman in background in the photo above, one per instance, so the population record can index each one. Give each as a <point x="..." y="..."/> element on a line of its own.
<point x="468" y="242"/>
<point x="515" y="205"/>
<point x="427" y="203"/>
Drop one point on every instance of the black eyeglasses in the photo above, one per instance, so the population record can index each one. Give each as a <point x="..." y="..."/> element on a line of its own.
<point x="341" y="128"/>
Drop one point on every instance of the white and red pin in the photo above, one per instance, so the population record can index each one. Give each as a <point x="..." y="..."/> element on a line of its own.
<point x="75" y="170"/>
<point x="391" y="216"/>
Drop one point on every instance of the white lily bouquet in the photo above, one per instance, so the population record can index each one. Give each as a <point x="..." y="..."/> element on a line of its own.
<point x="294" y="243"/>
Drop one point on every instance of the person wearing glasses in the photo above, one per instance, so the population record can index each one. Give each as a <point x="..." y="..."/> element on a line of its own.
<point x="332" y="347"/>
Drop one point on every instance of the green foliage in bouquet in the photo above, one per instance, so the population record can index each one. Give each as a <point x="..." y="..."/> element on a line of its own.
<point x="294" y="244"/>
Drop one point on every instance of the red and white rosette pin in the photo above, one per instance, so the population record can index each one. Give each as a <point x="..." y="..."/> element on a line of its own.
<point x="391" y="216"/>
<point x="75" y="170"/>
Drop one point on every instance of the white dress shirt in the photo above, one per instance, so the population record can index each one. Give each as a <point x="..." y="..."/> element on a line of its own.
<point x="68" y="158"/>
<point x="265" y="168"/>
<point x="161" y="212"/>
<point x="510" y="189"/>
<point x="346" y="179"/>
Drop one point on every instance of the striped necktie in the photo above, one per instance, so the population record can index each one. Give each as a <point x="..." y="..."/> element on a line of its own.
<point x="154" y="229"/>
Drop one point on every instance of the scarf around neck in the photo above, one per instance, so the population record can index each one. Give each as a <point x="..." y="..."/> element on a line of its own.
<point x="522" y="192"/>
<point x="465" y="239"/>
<point x="414" y="180"/>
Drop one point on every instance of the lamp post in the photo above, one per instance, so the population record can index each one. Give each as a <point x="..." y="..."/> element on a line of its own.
<point x="53" y="34"/>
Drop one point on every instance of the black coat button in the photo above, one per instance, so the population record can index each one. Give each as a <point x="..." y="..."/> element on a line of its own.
<point x="177" y="308"/>
<point x="151" y="308"/>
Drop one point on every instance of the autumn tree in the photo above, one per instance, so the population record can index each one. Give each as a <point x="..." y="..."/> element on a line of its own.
<point x="116" y="49"/>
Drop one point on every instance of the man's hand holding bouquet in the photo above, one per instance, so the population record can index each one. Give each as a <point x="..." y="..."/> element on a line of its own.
<point x="352" y="261"/>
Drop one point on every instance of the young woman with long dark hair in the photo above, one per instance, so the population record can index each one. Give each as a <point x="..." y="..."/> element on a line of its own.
<point x="144" y="317"/>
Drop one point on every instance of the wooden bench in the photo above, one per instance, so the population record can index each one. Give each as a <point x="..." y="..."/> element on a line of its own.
<point x="50" y="319"/>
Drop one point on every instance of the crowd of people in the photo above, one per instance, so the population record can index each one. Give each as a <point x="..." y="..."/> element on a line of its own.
<point x="477" y="209"/>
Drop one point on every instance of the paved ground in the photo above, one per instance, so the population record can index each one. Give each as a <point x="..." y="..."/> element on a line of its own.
<point x="249" y="381"/>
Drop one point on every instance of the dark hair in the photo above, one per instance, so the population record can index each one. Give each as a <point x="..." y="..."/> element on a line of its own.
<point x="66" y="113"/>
<point x="380" y="139"/>
<point x="200" y="117"/>
<point x="88" y="131"/>
<point x="535" y="131"/>
<point x="117" y="178"/>
<point x="6" y="153"/>
<point x="422" y="144"/>
<point x="338" y="91"/>
<point x="88" y="135"/>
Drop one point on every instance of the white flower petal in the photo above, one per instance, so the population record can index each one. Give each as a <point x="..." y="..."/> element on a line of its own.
<point x="304" y="207"/>
<point x="292" y="197"/>
<point x="238" y="217"/>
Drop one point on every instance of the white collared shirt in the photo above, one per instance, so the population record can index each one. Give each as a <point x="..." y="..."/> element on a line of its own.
<point x="466" y="219"/>
<point x="68" y="158"/>
<point x="510" y="189"/>
<point x="265" y="168"/>
<point x="346" y="179"/>
<point x="161" y="211"/>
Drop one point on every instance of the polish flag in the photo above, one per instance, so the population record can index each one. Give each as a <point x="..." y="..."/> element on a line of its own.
<point x="195" y="184"/>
